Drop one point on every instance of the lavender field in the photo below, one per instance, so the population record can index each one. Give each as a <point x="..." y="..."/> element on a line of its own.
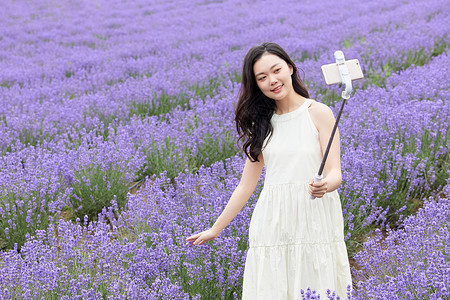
<point x="117" y="141"/>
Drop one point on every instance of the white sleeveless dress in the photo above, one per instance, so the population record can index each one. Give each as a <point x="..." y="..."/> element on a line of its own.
<point x="294" y="242"/>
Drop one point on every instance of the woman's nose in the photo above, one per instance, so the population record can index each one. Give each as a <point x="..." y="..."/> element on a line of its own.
<point x="273" y="80"/>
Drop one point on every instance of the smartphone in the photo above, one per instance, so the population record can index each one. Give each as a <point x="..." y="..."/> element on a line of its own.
<point x="331" y="72"/>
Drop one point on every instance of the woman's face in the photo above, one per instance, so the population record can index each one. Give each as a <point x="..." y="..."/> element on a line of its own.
<point x="273" y="76"/>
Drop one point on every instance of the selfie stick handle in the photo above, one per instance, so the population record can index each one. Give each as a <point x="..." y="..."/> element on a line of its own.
<point x="345" y="77"/>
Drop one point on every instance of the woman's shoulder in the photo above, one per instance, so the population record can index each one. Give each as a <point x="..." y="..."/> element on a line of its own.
<point x="319" y="109"/>
<point x="320" y="113"/>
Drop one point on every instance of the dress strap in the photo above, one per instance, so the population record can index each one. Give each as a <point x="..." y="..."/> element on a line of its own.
<point x="294" y="113"/>
<point x="305" y="105"/>
<point x="308" y="102"/>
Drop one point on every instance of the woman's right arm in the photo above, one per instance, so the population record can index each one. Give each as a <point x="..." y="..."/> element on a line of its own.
<point x="246" y="187"/>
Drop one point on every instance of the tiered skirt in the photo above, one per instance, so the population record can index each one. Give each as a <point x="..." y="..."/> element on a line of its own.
<point x="295" y="243"/>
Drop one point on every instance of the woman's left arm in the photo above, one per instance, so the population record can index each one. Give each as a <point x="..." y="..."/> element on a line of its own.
<point x="324" y="120"/>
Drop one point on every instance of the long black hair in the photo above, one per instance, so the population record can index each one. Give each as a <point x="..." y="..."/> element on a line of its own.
<point x="254" y="109"/>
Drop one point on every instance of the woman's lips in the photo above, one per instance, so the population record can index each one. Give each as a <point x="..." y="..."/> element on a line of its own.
<point x="277" y="89"/>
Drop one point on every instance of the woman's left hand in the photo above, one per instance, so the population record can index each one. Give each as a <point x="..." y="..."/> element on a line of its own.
<point x="202" y="237"/>
<point x="317" y="189"/>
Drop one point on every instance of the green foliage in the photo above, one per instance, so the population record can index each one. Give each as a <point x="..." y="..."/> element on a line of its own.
<point x="304" y="55"/>
<point x="100" y="37"/>
<point x="27" y="137"/>
<point x="208" y="288"/>
<point x="433" y="163"/>
<point x="402" y="62"/>
<point x="395" y="200"/>
<point x="208" y="88"/>
<point x="330" y="97"/>
<point x="113" y="82"/>
<point x="69" y="73"/>
<point x="212" y="150"/>
<point x="347" y="44"/>
<point x="235" y="77"/>
<point x="165" y="103"/>
<point x="154" y="106"/>
<point x="95" y="187"/>
<point x="6" y="84"/>
<point x="24" y="212"/>
<point x="167" y="158"/>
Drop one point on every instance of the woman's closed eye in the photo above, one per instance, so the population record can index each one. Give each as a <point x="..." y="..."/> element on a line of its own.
<point x="262" y="78"/>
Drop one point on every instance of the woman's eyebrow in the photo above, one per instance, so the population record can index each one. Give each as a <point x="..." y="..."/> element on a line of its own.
<point x="270" y="69"/>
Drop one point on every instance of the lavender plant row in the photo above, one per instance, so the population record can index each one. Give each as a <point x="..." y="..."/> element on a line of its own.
<point x="395" y="143"/>
<point x="411" y="261"/>
<point x="113" y="29"/>
<point x="66" y="87"/>
<point x="38" y="182"/>
<point x="141" y="252"/>
<point x="42" y="180"/>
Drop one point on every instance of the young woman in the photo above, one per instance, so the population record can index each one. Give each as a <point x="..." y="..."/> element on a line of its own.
<point x="294" y="242"/>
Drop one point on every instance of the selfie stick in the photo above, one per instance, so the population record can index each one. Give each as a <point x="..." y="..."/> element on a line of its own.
<point x="345" y="77"/>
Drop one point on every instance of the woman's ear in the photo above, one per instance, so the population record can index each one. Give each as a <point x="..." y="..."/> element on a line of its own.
<point x="291" y="69"/>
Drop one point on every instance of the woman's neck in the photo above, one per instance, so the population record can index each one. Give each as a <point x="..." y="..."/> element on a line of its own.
<point x="288" y="104"/>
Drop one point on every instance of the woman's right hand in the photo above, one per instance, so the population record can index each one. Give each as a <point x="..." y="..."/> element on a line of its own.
<point x="202" y="237"/>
